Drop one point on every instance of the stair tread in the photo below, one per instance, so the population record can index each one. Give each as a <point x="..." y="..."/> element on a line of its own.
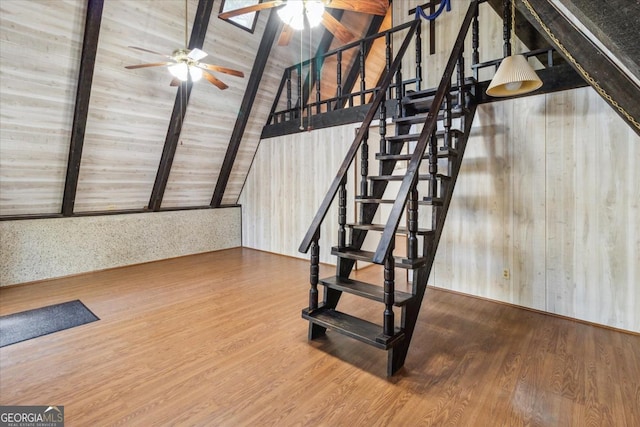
<point x="367" y="256"/>
<point x="422" y="118"/>
<point x="365" y="290"/>
<point x="401" y="177"/>
<point x="415" y="136"/>
<point x="380" y="227"/>
<point x="353" y="327"/>
<point x="432" y="91"/>
<point x="442" y="152"/>
<point x="391" y="201"/>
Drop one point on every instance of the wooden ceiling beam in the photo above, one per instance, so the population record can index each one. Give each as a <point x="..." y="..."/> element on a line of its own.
<point x="198" y="34"/>
<point x="83" y="93"/>
<point x="271" y="31"/>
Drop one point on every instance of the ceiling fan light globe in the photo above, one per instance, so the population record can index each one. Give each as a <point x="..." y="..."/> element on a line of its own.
<point x="180" y="71"/>
<point x="315" y="10"/>
<point x="195" y="73"/>
<point x="293" y="14"/>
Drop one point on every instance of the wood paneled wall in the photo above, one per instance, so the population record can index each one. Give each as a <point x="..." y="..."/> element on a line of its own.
<point x="287" y="182"/>
<point x="548" y="191"/>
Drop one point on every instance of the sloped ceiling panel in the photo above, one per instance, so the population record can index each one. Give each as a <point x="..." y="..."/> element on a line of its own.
<point x="211" y="114"/>
<point x="129" y="110"/>
<point x="39" y="63"/>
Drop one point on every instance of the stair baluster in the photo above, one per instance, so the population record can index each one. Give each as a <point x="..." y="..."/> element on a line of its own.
<point x="314" y="272"/>
<point x="342" y="214"/>
<point x="339" y="81"/>
<point x="388" y="325"/>
<point x="446" y="120"/>
<point x="299" y="80"/>
<point x="460" y="81"/>
<point x="382" y="125"/>
<point x="418" y="59"/>
<point x="388" y="55"/>
<point x="289" y="104"/>
<point x="318" y="69"/>
<point x="475" y="43"/>
<point x="363" y="82"/>
<point x="364" y="167"/>
<point x="412" y="223"/>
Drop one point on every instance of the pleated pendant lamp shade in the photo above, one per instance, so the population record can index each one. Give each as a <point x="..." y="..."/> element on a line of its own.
<point x="514" y="77"/>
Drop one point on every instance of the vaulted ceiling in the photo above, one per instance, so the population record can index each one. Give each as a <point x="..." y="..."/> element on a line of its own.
<point x="119" y="121"/>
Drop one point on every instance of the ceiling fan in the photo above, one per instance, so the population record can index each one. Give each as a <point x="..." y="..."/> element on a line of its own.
<point x="294" y="13"/>
<point x="184" y="64"/>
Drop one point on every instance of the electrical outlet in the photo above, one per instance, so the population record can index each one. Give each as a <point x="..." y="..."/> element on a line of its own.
<point x="506" y="274"/>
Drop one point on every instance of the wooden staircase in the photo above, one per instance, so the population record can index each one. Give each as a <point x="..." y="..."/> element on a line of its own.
<point x="425" y="163"/>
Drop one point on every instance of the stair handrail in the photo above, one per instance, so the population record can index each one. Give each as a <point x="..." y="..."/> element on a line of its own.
<point x="314" y="228"/>
<point x="388" y="235"/>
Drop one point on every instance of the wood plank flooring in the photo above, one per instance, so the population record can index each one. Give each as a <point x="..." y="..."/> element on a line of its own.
<point x="217" y="340"/>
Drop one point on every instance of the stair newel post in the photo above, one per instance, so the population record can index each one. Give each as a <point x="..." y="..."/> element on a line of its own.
<point x="364" y="167"/>
<point x="363" y="82"/>
<point x="388" y="323"/>
<point x="419" y="57"/>
<point x="475" y="57"/>
<point x="412" y="222"/>
<point x="314" y="272"/>
<point x="317" y="66"/>
<point x="342" y="214"/>
<point x="289" y="104"/>
<point x="339" y="80"/>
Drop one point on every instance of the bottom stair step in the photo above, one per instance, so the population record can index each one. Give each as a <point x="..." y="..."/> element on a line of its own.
<point x="362" y="330"/>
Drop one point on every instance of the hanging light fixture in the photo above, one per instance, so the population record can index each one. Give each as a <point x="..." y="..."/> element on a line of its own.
<point x="294" y="11"/>
<point x="515" y="76"/>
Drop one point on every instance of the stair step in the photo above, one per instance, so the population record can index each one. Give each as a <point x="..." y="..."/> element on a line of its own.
<point x="431" y="202"/>
<point x="367" y="256"/>
<point x="421" y="102"/>
<point x="415" y="136"/>
<point x="354" y="327"/>
<point x="365" y="290"/>
<point x="432" y="91"/>
<point x="442" y="153"/>
<point x="422" y="118"/>
<point x="401" y="177"/>
<point x="380" y="227"/>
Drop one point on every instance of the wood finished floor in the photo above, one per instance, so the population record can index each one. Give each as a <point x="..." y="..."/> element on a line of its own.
<point x="217" y="340"/>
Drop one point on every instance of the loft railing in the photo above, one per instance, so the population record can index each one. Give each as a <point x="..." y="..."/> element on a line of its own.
<point x="290" y="103"/>
<point x="313" y="233"/>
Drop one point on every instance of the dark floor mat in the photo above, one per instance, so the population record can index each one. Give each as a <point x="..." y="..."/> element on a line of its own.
<point x="29" y="324"/>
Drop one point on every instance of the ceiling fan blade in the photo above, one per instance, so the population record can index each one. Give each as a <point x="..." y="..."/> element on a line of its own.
<point x="222" y="69"/>
<point x="214" y="81"/>
<point x="373" y="7"/>
<point x="197" y="54"/>
<point x="254" y="8"/>
<point x="285" y="35"/>
<point x="336" y="28"/>
<point x="149" y="51"/>
<point x="154" y="64"/>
